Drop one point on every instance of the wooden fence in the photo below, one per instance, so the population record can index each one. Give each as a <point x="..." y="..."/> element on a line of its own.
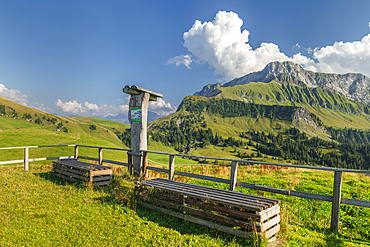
<point x="335" y="199"/>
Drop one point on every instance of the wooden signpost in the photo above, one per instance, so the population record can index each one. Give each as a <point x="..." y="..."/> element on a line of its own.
<point x="138" y="117"/>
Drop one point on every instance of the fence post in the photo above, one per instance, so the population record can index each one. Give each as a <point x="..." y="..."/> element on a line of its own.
<point x="138" y="116"/>
<point x="171" y="168"/>
<point x="26" y="157"/>
<point x="76" y="152"/>
<point x="145" y="164"/>
<point x="234" y="172"/>
<point x="100" y="156"/>
<point x="129" y="163"/>
<point x="335" y="209"/>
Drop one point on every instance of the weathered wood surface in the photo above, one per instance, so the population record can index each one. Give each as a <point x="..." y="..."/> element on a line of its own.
<point x="26" y="157"/>
<point x="198" y="221"/>
<point x="171" y="168"/>
<point x="224" y="208"/>
<point x="214" y="207"/>
<point x="74" y="170"/>
<point x="286" y="192"/>
<point x="115" y="162"/>
<point x="335" y="212"/>
<point x="203" y="177"/>
<point x="81" y="165"/>
<point x="242" y="200"/>
<point x="201" y="213"/>
<point x="233" y="176"/>
<point x="88" y="158"/>
<point x="153" y="168"/>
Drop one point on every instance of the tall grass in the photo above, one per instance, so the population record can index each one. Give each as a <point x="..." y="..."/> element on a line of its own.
<point x="39" y="209"/>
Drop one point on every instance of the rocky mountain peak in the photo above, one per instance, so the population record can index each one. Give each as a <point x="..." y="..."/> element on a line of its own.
<point x="352" y="86"/>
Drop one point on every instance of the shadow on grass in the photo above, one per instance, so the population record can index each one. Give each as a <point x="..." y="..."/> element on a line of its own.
<point x="188" y="228"/>
<point x="122" y="191"/>
<point x="332" y="238"/>
<point x="337" y="239"/>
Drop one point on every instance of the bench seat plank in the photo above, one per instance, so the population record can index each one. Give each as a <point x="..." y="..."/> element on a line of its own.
<point x="74" y="170"/>
<point x="254" y="203"/>
<point x="240" y="194"/>
<point x="229" y="209"/>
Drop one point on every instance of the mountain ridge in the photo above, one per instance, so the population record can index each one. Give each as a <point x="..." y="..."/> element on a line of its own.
<point x="353" y="86"/>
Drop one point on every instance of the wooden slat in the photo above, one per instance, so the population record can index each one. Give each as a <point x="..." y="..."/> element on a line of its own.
<point x="153" y="168"/>
<point x="200" y="213"/>
<point x="212" y="193"/>
<point x="81" y="165"/>
<point x="64" y="168"/>
<point x="263" y="188"/>
<point x="119" y="149"/>
<point x="270" y="212"/>
<point x="102" y="183"/>
<point x="102" y="172"/>
<point x="238" y="194"/>
<point x="104" y="178"/>
<point x="270" y="223"/>
<point x="214" y="198"/>
<point x="115" y="162"/>
<point x="65" y="177"/>
<point x="271" y="232"/>
<point x="355" y="202"/>
<point x="213" y="179"/>
<point x="198" y="221"/>
<point x="203" y="191"/>
<point x="11" y="162"/>
<point x="78" y="166"/>
<point x="57" y="171"/>
<point x="213" y="207"/>
<point x="88" y="158"/>
<point x="311" y="196"/>
<point x="286" y="192"/>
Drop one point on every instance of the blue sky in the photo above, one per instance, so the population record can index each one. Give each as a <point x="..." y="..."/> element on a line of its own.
<point x="74" y="57"/>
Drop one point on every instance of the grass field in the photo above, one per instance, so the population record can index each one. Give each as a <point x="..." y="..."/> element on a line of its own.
<point x="38" y="209"/>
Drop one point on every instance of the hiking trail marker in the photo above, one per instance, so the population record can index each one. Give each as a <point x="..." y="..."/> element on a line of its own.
<point x="138" y="117"/>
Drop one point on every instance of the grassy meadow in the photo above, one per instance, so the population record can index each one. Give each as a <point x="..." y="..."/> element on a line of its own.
<point x="39" y="209"/>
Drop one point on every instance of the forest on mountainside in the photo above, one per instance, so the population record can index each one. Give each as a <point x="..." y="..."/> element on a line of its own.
<point x="349" y="148"/>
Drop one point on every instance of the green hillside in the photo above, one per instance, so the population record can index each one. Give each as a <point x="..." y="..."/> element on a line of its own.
<point x="270" y="122"/>
<point x="333" y="109"/>
<point x="24" y="126"/>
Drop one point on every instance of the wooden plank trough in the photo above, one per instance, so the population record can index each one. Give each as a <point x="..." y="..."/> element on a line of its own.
<point x="228" y="211"/>
<point x="74" y="170"/>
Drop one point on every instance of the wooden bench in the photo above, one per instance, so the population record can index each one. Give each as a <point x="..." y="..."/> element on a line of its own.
<point x="74" y="170"/>
<point x="227" y="211"/>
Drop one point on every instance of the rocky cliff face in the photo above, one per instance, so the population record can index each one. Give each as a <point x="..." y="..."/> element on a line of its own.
<point x="302" y="120"/>
<point x="352" y="86"/>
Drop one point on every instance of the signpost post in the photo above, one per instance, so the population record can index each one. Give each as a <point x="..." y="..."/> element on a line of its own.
<point x="138" y="117"/>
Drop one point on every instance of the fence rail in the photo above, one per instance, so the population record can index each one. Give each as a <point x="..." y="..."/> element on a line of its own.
<point x="335" y="199"/>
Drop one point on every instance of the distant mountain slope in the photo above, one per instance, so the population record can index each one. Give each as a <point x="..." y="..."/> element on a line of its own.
<point x="18" y="121"/>
<point x="352" y="86"/>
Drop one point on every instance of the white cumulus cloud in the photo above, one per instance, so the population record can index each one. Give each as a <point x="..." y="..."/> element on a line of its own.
<point x="161" y="108"/>
<point x="13" y="95"/>
<point x="296" y="46"/>
<point x="73" y="107"/>
<point x="225" y="47"/>
<point x="182" y="59"/>
<point x="86" y="109"/>
<point x="341" y="57"/>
